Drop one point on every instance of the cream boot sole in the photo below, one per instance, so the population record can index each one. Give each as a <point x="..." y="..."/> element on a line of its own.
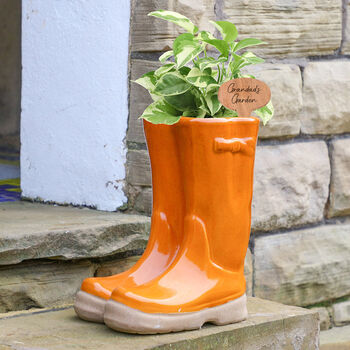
<point x="126" y="319"/>
<point x="89" y="307"/>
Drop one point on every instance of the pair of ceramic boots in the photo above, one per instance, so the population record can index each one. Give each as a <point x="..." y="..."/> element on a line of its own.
<point x="192" y="269"/>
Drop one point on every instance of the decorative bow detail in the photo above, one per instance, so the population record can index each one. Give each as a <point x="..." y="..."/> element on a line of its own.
<point x="245" y="145"/>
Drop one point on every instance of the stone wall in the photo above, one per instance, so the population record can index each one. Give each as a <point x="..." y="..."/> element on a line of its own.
<point x="10" y="72"/>
<point x="301" y="208"/>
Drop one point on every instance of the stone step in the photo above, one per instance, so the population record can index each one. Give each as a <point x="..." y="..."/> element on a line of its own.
<point x="269" y="326"/>
<point x="337" y="338"/>
<point x="46" y="251"/>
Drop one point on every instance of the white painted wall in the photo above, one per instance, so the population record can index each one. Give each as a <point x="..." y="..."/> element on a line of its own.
<point x="74" y="101"/>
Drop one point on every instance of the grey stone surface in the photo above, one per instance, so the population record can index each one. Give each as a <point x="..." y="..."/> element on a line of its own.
<point x="269" y="326"/>
<point x="143" y="201"/>
<point x="153" y="34"/>
<point x="340" y="180"/>
<point x="248" y="272"/>
<point x="346" y="24"/>
<point x="325" y="320"/>
<point x="326" y="98"/>
<point x="337" y="338"/>
<point x="285" y="83"/>
<point x="139" y="168"/>
<point x="291" y="184"/>
<point x="139" y="98"/>
<point x="116" y="266"/>
<point x="291" y="28"/>
<point x="10" y="68"/>
<point x="36" y="231"/>
<point x="41" y="284"/>
<point x="341" y="313"/>
<point x="303" y="267"/>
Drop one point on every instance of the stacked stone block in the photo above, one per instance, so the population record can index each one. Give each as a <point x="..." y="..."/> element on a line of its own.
<point x="300" y="247"/>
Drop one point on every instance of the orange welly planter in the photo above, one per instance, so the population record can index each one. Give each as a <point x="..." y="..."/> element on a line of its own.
<point x="209" y="186"/>
<point x="166" y="228"/>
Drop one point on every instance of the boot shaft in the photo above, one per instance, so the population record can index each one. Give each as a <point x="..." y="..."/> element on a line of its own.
<point x="217" y="164"/>
<point x="167" y="195"/>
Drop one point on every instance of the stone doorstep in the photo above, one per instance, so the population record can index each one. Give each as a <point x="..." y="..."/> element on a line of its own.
<point x="40" y="231"/>
<point x="46" y="251"/>
<point x="269" y="326"/>
<point x="337" y="338"/>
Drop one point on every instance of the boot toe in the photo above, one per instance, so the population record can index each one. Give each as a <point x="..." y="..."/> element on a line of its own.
<point x="97" y="286"/>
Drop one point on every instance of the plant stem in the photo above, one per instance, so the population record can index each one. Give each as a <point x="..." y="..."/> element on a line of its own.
<point x="219" y="76"/>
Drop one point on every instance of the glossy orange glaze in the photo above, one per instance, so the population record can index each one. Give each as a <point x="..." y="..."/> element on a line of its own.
<point x="216" y="165"/>
<point x="167" y="216"/>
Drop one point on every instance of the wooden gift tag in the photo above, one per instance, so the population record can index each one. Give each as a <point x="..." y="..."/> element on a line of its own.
<point x="244" y="95"/>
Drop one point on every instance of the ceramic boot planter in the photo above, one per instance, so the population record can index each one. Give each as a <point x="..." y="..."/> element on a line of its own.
<point x="166" y="228"/>
<point x="205" y="282"/>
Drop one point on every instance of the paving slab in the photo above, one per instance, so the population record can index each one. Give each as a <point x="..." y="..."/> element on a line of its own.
<point x="269" y="326"/>
<point x="36" y="231"/>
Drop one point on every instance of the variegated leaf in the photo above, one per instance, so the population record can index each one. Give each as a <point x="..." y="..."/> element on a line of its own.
<point x="213" y="102"/>
<point x="176" y="18"/>
<point x="199" y="78"/>
<point x="171" y="84"/>
<point x="164" y="69"/>
<point x="227" y="29"/>
<point x="166" y="55"/>
<point x="247" y="42"/>
<point x="186" y="49"/>
<point x="265" y="113"/>
<point x="160" y="112"/>
<point x="148" y="81"/>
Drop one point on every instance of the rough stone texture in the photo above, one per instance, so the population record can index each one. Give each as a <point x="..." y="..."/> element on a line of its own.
<point x="139" y="98"/>
<point x="303" y="267"/>
<point x="41" y="284"/>
<point x="346" y="43"/>
<point x="291" y="185"/>
<point x="139" y="168"/>
<point x="143" y="201"/>
<point x="248" y="272"/>
<point x="116" y="266"/>
<point x="34" y="231"/>
<point x="341" y="313"/>
<point x="153" y="34"/>
<point x="10" y="68"/>
<point x="269" y="326"/>
<point x="286" y="88"/>
<point x="291" y="28"/>
<point x="340" y="180"/>
<point x="326" y="98"/>
<point x="325" y="320"/>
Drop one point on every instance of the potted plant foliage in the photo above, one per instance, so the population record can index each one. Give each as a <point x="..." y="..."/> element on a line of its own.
<point x="188" y="80"/>
<point x="202" y="158"/>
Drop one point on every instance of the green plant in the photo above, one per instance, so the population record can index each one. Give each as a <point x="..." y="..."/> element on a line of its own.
<point x="188" y="80"/>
